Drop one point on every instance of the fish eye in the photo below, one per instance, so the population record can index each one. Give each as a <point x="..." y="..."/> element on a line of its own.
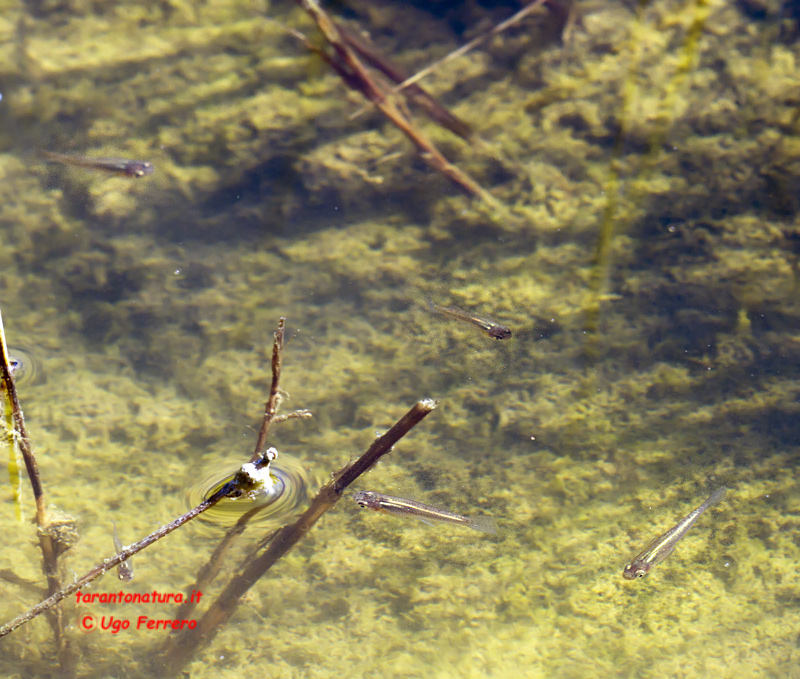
<point x="362" y="504"/>
<point x="640" y="574"/>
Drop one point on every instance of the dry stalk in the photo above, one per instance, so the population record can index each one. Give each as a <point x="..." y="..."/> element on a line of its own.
<point x="412" y="81"/>
<point x="271" y="406"/>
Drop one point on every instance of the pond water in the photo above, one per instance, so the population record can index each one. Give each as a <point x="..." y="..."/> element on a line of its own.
<point x="640" y="239"/>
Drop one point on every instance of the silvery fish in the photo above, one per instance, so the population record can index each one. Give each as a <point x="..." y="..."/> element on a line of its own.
<point x="490" y="327"/>
<point x="425" y="513"/>
<point x="660" y="548"/>
<point x="125" y="568"/>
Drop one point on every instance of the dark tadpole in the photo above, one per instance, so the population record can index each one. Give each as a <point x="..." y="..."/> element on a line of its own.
<point x="119" y="166"/>
<point x="491" y="328"/>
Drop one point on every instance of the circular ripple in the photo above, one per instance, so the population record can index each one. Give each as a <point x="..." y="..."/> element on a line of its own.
<point x="287" y="497"/>
<point x="24" y="367"/>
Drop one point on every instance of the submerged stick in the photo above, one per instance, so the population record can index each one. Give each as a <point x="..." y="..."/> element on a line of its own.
<point x="344" y="61"/>
<point x="414" y="92"/>
<point x="461" y="51"/>
<point x="611" y="224"/>
<point x="180" y="649"/>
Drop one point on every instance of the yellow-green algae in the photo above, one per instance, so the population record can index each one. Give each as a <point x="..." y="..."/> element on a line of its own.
<point x="150" y="306"/>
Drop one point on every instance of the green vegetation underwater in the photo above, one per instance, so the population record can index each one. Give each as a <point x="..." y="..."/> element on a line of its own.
<point x="642" y="245"/>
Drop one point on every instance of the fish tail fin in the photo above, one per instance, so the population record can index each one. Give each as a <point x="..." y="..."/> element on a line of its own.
<point x="50" y="156"/>
<point x="716" y="496"/>
<point x="484" y="524"/>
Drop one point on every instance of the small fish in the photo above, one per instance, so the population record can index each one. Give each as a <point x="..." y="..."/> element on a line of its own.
<point x="120" y="166"/>
<point x="660" y="548"/>
<point x="425" y="513"/>
<point x="499" y="332"/>
<point x="125" y="568"/>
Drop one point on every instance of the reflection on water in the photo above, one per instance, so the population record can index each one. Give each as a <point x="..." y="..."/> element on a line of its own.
<point x="649" y="160"/>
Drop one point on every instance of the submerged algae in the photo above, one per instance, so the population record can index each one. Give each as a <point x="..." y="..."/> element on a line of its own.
<point x="154" y="344"/>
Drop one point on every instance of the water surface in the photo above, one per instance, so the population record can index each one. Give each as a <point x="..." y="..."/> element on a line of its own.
<point x="646" y="262"/>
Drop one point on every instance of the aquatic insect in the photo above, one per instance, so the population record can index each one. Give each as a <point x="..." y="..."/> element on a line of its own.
<point x="125" y="568"/>
<point x="14" y="364"/>
<point x="396" y="505"/>
<point x="490" y="327"/>
<point x="23" y="368"/>
<point x="289" y="492"/>
<point x="660" y="548"/>
<point x="119" y="166"/>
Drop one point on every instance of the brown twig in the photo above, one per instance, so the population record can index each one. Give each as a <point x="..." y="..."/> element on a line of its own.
<point x="212" y="567"/>
<point x="177" y="653"/>
<point x="271" y="406"/>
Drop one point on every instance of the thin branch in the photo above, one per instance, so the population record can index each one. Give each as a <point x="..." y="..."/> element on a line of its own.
<point x="179" y="651"/>
<point x="499" y="28"/>
<point x="413" y="92"/>
<point x="271" y="406"/>
<point x="214" y="564"/>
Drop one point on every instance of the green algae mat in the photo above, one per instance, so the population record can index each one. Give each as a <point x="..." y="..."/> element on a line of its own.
<point x="644" y="252"/>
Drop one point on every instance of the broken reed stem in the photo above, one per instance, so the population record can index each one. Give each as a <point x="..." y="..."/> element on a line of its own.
<point x="271" y="406"/>
<point x="49" y="554"/>
<point x="415" y="93"/>
<point x="19" y="421"/>
<point x="355" y="75"/>
<point x="102" y="568"/>
<point x="180" y="649"/>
